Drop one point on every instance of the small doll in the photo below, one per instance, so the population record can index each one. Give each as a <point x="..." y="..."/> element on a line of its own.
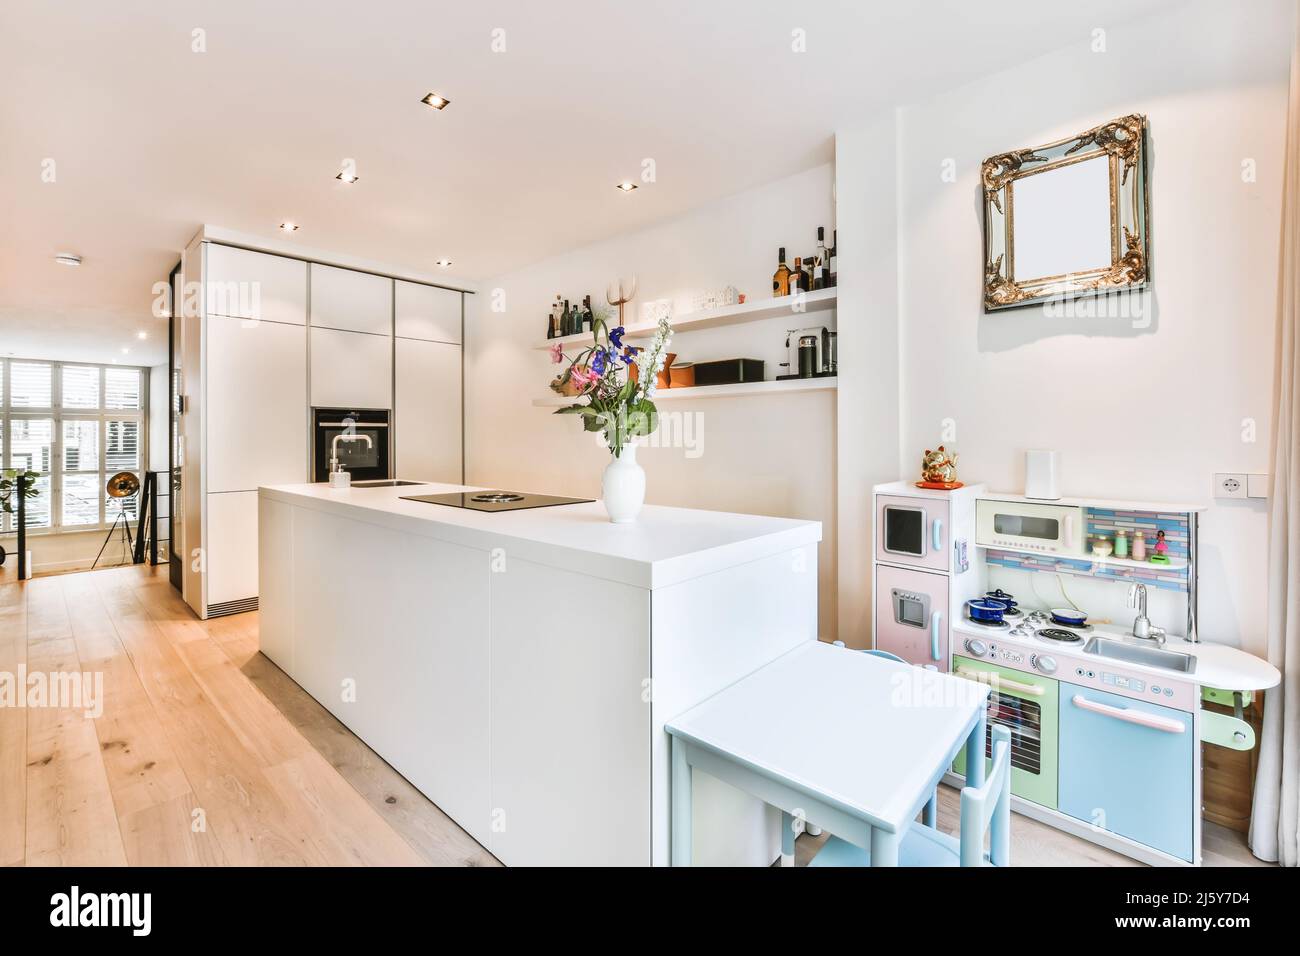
<point x="1161" y="555"/>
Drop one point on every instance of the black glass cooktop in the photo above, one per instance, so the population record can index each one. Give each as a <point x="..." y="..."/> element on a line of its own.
<point x="495" y="500"/>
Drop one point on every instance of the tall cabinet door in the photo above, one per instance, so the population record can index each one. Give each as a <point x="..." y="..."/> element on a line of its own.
<point x="426" y="312"/>
<point x="256" y="404"/>
<point x="351" y="369"/>
<point x="428" y="414"/>
<point x="350" y="300"/>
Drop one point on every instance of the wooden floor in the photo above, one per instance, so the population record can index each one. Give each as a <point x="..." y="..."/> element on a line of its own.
<point x="206" y="754"/>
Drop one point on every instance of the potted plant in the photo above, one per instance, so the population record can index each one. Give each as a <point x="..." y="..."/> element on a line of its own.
<point x="611" y="401"/>
<point x="9" y="487"/>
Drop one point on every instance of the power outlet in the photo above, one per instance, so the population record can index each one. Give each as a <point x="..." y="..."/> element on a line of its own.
<point x="1230" y="486"/>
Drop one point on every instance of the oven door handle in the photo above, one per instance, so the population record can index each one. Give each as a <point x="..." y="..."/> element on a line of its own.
<point x="936" y="620"/>
<point x="1129" y="715"/>
<point x="998" y="682"/>
<point x="936" y="534"/>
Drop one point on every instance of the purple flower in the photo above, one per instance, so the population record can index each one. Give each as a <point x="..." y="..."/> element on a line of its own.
<point x="598" y="362"/>
<point x="629" y="355"/>
<point x="616" y="337"/>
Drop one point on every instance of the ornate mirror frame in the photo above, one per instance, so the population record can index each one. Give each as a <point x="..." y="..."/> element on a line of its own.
<point x="1123" y="142"/>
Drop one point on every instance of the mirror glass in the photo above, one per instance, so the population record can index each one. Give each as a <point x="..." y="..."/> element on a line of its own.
<point x="1062" y="221"/>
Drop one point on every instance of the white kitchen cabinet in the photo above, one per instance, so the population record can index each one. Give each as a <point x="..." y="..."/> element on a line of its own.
<point x="426" y="312"/>
<point x="395" y="645"/>
<point x="352" y="301"/>
<point x="351" y="369"/>
<point x="257" y="404"/>
<point x="230" y="547"/>
<point x="428" y="440"/>
<point x="255" y="285"/>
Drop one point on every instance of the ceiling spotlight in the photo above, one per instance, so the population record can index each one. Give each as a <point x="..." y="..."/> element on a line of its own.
<point x="627" y="186"/>
<point x="142" y="335"/>
<point x="436" y="101"/>
<point x="443" y="262"/>
<point x="288" y="227"/>
<point x="67" y="259"/>
<point x="125" y="350"/>
<point x="347" y="177"/>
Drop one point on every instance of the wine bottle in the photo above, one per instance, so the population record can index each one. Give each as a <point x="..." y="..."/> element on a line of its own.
<point x="833" y="274"/>
<point x="822" y="260"/>
<point x="588" y="317"/>
<point x="550" y="325"/>
<point x="566" y="322"/>
<point x="781" y="278"/>
<point x="798" y="277"/>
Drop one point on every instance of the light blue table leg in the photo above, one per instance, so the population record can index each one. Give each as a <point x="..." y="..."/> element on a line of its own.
<point x="931" y="816"/>
<point x="680" y="822"/>
<point x="975" y="768"/>
<point x="884" y="847"/>
<point x="787" y="839"/>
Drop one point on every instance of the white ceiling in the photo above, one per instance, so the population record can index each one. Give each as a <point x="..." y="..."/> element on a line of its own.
<point x="151" y="140"/>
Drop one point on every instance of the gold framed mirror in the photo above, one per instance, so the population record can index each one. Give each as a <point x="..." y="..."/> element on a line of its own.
<point x="1067" y="219"/>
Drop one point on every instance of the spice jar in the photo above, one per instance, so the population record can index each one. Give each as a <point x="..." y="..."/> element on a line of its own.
<point x="1139" y="548"/>
<point x="1121" y="544"/>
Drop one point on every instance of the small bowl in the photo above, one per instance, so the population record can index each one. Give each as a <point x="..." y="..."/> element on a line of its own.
<point x="1068" y="616"/>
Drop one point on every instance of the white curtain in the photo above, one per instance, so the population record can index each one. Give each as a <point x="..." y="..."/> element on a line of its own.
<point x="1275" y="821"/>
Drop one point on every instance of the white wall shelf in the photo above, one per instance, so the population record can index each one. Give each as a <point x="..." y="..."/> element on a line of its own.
<point x="718" y="391"/>
<point x="1175" y="564"/>
<point x="752" y="311"/>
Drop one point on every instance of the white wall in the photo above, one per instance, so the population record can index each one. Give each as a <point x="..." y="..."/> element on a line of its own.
<point x="1137" y="412"/>
<point x="868" y="419"/>
<point x="770" y="455"/>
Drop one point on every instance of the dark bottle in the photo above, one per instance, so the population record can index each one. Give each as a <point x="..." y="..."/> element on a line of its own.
<point x="833" y="272"/>
<point x="781" y="278"/>
<point x="566" y="319"/>
<point x="588" y="317"/>
<point x="550" y="325"/>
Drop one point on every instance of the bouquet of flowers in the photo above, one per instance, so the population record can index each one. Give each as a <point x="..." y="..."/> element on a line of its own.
<point x="612" y="401"/>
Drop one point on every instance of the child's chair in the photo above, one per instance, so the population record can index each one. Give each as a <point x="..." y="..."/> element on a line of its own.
<point x="985" y="809"/>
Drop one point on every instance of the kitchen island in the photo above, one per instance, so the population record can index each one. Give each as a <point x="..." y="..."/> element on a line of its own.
<point x="518" y="667"/>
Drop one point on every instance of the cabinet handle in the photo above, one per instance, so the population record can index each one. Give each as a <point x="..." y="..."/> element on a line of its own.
<point x="997" y="681"/>
<point x="1069" y="531"/>
<point x="936" y="534"/>
<point x="936" y="620"/>
<point x="1154" y="721"/>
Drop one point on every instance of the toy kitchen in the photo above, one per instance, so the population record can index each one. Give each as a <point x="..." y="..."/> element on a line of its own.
<point x="1107" y="714"/>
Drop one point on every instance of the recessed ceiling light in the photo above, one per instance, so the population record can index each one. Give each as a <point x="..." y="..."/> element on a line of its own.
<point x="347" y="177"/>
<point x="67" y="259"/>
<point x="288" y="227"/>
<point x="436" y="101"/>
<point x="627" y="186"/>
<point x="443" y="262"/>
<point x="142" y="335"/>
<point x="125" y="350"/>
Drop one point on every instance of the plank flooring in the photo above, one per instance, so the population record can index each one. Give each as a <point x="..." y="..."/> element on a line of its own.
<point x="201" y="752"/>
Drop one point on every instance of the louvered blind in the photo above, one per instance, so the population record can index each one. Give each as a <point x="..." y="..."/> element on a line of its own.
<point x="80" y="387"/>
<point x="122" y="388"/>
<point x="121" y="445"/>
<point x="31" y="385"/>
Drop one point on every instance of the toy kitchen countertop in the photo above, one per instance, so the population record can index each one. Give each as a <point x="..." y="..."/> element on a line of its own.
<point x="1217" y="665"/>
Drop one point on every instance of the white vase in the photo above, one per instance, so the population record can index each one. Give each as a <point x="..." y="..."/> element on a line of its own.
<point x="623" y="487"/>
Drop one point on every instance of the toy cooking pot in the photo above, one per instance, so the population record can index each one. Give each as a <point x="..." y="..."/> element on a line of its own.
<point x="1008" y="601"/>
<point x="985" y="611"/>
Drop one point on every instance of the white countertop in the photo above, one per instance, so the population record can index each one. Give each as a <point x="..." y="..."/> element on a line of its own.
<point x="664" y="546"/>
<point x="1217" y="665"/>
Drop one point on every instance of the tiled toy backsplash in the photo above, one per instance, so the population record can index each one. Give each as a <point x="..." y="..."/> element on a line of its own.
<point x="1104" y="521"/>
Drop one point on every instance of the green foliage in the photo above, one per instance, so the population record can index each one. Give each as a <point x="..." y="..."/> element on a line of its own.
<point x="9" y="484"/>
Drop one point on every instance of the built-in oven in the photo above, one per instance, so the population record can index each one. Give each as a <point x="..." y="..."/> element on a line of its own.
<point x="1027" y="705"/>
<point x="1024" y="526"/>
<point x="364" y="445"/>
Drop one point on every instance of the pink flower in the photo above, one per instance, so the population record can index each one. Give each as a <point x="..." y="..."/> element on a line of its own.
<point x="581" y="377"/>
<point x="557" y="353"/>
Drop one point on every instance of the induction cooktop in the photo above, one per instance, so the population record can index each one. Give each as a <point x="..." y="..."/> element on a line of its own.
<point x="495" y="500"/>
